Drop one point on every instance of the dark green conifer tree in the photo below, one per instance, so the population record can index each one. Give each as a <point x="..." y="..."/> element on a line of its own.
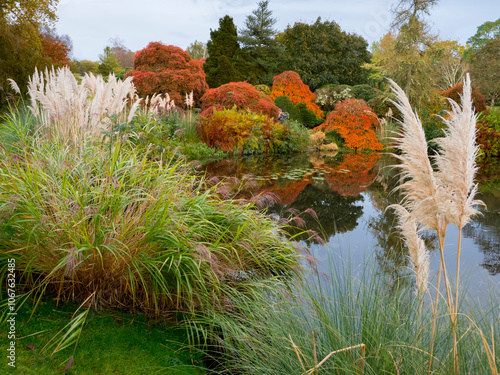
<point x="225" y="62"/>
<point x="258" y="41"/>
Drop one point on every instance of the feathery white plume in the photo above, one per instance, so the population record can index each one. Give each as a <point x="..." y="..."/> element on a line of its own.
<point x="456" y="160"/>
<point x="417" y="252"/>
<point x="423" y="196"/>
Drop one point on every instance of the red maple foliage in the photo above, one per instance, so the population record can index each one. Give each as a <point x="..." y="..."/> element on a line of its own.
<point x="477" y="97"/>
<point x="54" y="52"/>
<point x="355" y="122"/>
<point x="240" y="94"/>
<point x="162" y="69"/>
<point x="290" y="84"/>
<point x="200" y="62"/>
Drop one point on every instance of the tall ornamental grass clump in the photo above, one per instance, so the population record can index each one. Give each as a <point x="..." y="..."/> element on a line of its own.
<point x="123" y="231"/>
<point x="70" y="110"/>
<point x="358" y="322"/>
<point x="433" y="199"/>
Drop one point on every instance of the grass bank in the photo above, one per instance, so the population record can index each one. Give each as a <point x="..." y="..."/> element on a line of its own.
<point x="112" y="342"/>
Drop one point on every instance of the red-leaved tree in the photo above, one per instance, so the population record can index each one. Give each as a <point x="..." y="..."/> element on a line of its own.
<point x="289" y="84"/>
<point x="162" y="69"/>
<point x="240" y="94"/>
<point x="54" y="51"/>
<point x="477" y="97"/>
<point x="355" y="122"/>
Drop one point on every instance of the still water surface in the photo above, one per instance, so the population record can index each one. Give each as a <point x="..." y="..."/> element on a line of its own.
<point x="349" y="193"/>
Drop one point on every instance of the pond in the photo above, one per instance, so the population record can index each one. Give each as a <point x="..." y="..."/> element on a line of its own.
<point x="344" y="198"/>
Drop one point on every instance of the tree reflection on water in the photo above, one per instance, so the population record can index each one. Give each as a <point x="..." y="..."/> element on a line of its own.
<point x="338" y="187"/>
<point x="485" y="229"/>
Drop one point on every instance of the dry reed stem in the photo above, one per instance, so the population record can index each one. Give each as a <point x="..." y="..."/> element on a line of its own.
<point x="363" y="351"/>
<point x="297" y="352"/>
<point x="314" y="350"/>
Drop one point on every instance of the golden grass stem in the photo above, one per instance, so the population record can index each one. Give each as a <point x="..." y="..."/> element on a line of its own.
<point x="434" y="311"/>
<point x="296" y="350"/>
<point x="451" y="306"/>
<point x="314" y="350"/>
<point x="361" y="346"/>
<point x="455" y="311"/>
<point x="458" y="267"/>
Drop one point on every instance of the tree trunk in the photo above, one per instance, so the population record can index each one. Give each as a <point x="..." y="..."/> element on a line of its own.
<point x="408" y="83"/>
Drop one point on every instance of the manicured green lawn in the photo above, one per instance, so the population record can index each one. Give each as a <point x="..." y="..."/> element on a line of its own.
<point x="110" y="343"/>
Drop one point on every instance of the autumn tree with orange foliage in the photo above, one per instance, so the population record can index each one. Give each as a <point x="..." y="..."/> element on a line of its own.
<point x="55" y="48"/>
<point x="240" y="94"/>
<point x="162" y="69"/>
<point x="289" y="84"/>
<point x="355" y="122"/>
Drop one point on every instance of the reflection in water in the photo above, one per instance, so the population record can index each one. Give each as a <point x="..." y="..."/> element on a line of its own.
<point x="391" y="251"/>
<point x="330" y="185"/>
<point x="339" y="188"/>
<point x="336" y="214"/>
<point x="485" y="231"/>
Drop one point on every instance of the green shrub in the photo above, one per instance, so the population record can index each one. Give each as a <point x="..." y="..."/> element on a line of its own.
<point x="381" y="104"/>
<point x="200" y="151"/>
<point x="151" y="134"/>
<point x="307" y="117"/>
<point x="492" y="119"/>
<point x="432" y="124"/>
<point x="298" y="138"/>
<point x="365" y="92"/>
<point x="298" y="112"/>
<point x="333" y="136"/>
<point x="286" y="105"/>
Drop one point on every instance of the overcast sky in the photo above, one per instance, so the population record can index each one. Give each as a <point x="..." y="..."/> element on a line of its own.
<point x="91" y="23"/>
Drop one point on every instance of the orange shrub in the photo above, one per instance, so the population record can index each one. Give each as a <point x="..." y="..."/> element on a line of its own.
<point x="355" y="122"/>
<point x="231" y="129"/>
<point x="289" y="84"/>
<point x="240" y="94"/>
